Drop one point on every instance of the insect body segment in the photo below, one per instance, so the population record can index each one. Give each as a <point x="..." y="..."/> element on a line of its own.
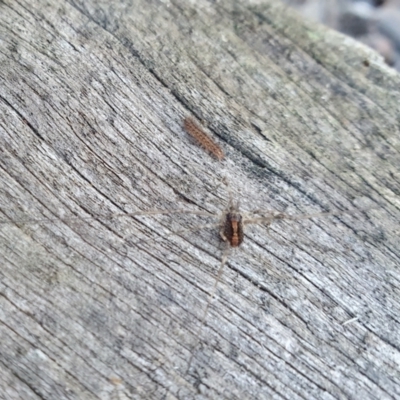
<point x="233" y="229"/>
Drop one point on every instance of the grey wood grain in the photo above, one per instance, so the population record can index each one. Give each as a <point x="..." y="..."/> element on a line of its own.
<point x="92" y="97"/>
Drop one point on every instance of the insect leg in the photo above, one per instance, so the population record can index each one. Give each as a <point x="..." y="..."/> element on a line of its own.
<point x="183" y="231"/>
<point x="278" y="215"/>
<point x="212" y="294"/>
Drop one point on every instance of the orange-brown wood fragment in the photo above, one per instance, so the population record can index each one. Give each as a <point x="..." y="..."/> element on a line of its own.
<point x="202" y="138"/>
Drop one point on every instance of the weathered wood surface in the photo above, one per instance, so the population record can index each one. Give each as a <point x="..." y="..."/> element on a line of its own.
<point x="93" y="95"/>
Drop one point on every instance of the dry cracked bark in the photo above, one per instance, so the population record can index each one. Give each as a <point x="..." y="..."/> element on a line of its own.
<point x="93" y="95"/>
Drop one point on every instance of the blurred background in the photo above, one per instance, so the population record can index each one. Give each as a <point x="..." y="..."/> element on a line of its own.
<point x="373" y="22"/>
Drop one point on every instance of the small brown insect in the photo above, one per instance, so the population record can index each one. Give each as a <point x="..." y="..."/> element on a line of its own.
<point x="202" y="138"/>
<point x="233" y="228"/>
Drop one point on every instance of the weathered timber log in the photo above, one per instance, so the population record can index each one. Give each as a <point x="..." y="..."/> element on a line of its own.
<point x="93" y="95"/>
